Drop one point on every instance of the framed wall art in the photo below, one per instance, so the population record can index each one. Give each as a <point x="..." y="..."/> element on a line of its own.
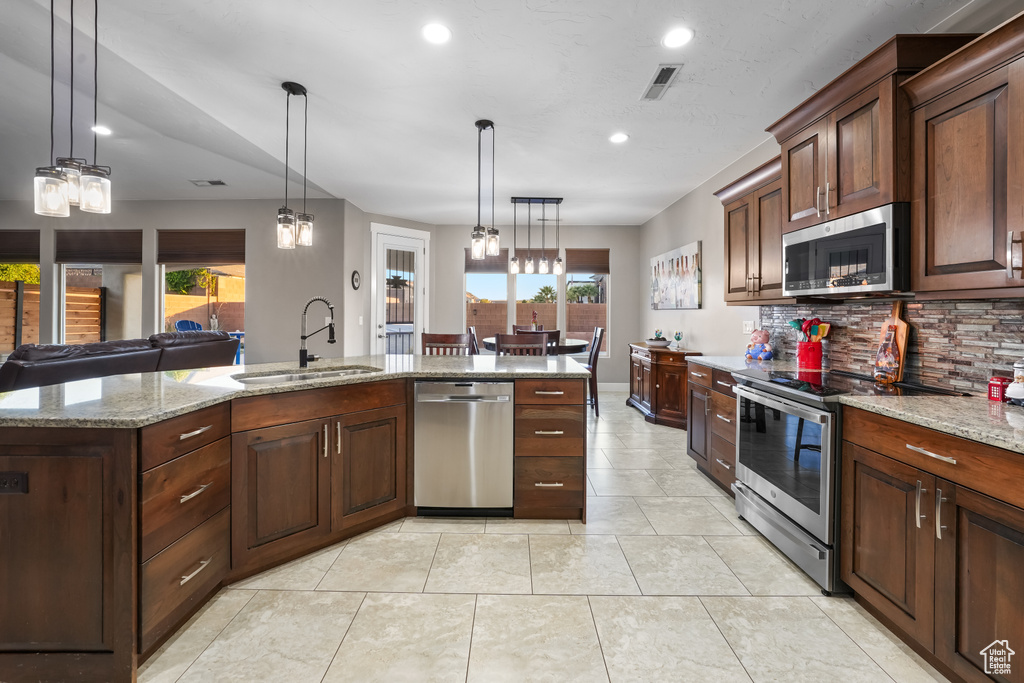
<point x="675" y="279"/>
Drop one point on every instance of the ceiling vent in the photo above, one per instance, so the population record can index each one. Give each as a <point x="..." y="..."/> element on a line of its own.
<point x="663" y="78"/>
<point x="207" y="183"/>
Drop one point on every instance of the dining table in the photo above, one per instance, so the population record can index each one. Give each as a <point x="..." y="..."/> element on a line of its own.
<point x="565" y="346"/>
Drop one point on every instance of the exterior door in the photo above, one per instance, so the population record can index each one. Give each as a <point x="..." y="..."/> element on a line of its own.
<point x="399" y="289"/>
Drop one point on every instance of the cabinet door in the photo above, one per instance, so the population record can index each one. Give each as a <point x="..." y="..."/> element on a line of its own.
<point x="368" y="466"/>
<point x="634" y="378"/>
<point x="740" y="222"/>
<point x="860" y="152"/>
<point x="962" y="149"/>
<point x="888" y="538"/>
<point x="979" y="585"/>
<point x="804" y="174"/>
<point x="280" y="491"/>
<point x="766" y="241"/>
<point x="670" y="385"/>
<point x="646" y="386"/>
<point x="698" y="433"/>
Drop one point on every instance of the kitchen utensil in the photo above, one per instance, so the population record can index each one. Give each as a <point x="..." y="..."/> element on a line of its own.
<point x="899" y="336"/>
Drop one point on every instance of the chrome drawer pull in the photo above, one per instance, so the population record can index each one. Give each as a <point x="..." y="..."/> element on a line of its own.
<point x="540" y="432"/>
<point x="917" y="503"/>
<point x="556" y="484"/>
<point x="338" y="425"/>
<point x="189" y="435"/>
<point x="939" y="500"/>
<point x="922" y="451"/>
<point x="325" y="439"/>
<point x="549" y="393"/>
<point x="724" y="384"/>
<point x="202" y="566"/>
<point x="723" y="463"/>
<point x="723" y="417"/>
<point x="190" y="496"/>
<point x="827" y="200"/>
<point x="697" y="374"/>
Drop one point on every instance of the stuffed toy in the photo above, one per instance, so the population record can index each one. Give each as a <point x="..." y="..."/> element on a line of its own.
<point x="759" y="348"/>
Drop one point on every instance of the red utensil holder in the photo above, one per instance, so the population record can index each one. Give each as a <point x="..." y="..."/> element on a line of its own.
<point x="808" y="355"/>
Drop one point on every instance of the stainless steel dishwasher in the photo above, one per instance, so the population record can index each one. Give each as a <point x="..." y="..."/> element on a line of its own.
<point x="463" y="445"/>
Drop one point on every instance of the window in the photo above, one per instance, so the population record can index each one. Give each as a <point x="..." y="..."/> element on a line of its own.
<point x="487" y="295"/>
<point x="19" y="289"/>
<point x="586" y="293"/>
<point x="537" y="294"/>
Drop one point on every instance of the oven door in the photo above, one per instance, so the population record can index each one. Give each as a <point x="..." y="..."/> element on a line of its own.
<point x="785" y="453"/>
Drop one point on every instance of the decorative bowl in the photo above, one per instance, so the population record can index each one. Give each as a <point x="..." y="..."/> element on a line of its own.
<point x="658" y="343"/>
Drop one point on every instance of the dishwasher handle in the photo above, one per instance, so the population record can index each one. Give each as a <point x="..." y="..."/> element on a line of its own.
<point x="462" y="398"/>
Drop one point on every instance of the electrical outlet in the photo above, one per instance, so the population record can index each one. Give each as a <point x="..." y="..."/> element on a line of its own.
<point x="748" y="326"/>
<point x="360" y="321"/>
<point x="13" y="482"/>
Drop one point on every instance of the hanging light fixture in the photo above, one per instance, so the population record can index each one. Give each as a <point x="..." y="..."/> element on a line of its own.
<point x="542" y="267"/>
<point x="304" y="221"/>
<point x="529" y="247"/>
<point x="286" y="231"/>
<point x="484" y="241"/>
<point x="94" y="191"/>
<point x="558" y="268"/>
<point x="513" y="265"/>
<point x="71" y="165"/>
<point x="50" y="186"/>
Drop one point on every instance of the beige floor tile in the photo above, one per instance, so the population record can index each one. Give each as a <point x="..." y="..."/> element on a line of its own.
<point x="580" y="565"/>
<point x="591" y="493"/>
<point x="604" y="440"/>
<point x="392" y="562"/>
<point x="762" y="568"/>
<point x="481" y="563"/>
<point x="680" y="460"/>
<point x="678" y="565"/>
<point x="683" y="516"/>
<point x="663" y="639"/>
<point x="399" y="637"/>
<point x="790" y="639"/>
<point x="596" y="460"/>
<point x="609" y="426"/>
<point x="612" y="515"/>
<point x="685" y="482"/>
<point x="444" y="525"/>
<point x="534" y="638"/>
<point x="278" y="636"/>
<point x="624" y="483"/>
<point x="882" y="645"/>
<point x="507" y="525"/>
<point x="636" y="459"/>
<point x="304" y="574"/>
<point x="675" y="441"/>
<point x="168" y="663"/>
<point x="727" y="506"/>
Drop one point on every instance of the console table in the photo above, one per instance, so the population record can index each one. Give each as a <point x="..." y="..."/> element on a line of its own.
<point x="657" y="383"/>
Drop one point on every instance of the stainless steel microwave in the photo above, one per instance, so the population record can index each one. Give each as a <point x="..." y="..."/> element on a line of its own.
<point x="866" y="253"/>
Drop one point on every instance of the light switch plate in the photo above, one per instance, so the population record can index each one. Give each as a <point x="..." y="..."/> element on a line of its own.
<point x="748" y="326"/>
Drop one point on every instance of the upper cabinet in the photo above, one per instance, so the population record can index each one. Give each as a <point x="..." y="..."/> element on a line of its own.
<point x="967" y="137"/>
<point x="753" y="236"/>
<point x="846" y="149"/>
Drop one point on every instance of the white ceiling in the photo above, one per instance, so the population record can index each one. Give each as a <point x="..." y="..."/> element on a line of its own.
<point x="191" y="89"/>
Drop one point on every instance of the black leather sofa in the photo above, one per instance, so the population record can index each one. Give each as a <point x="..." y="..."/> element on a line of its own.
<point x="36" y="365"/>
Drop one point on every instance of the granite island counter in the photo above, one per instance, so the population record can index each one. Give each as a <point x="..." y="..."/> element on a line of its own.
<point x="131" y="499"/>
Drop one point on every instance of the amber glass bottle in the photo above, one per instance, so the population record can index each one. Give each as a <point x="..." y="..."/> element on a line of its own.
<point x="887" y="361"/>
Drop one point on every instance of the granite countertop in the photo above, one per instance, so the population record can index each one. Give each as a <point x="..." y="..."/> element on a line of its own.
<point x="136" y="400"/>
<point x="970" y="417"/>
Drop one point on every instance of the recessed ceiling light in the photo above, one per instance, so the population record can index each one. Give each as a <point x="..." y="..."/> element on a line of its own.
<point x="677" y="37"/>
<point x="438" y="34"/>
<point x="101" y="130"/>
<point x="618" y="138"/>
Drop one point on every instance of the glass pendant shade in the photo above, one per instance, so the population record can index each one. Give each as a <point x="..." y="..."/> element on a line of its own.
<point x="513" y="265"/>
<point x="557" y="268"/>
<point x="73" y="170"/>
<point x="285" y="229"/>
<point x="529" y="265"/>
<point x="542" y="267"/>
<point x="477" y="244"/>
<point x="51" y="193"/>
<point x="94" y="193"/>
<point x="304" y="228"/>
<point x="493" y="243"/>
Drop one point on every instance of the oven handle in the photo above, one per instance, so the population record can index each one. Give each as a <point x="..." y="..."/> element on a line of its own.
<point x="785" y="406"/>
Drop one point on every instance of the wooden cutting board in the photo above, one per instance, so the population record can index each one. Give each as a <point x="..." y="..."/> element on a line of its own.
<point x="902" y="333"/>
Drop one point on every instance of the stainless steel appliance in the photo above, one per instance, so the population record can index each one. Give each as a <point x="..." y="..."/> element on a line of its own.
<point x="463" y="446"/>
<point x="866" y="253"/>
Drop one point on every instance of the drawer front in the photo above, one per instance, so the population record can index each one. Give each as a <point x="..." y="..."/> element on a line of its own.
<point x="165" y="441"/>
<point x="172" y="582"/>
<point x="723" y="382"/>
<point x="723" y="460"/>
<point x="550" y="431"/>
<point x="640" y="354"/>
<point x="723" y="416"/>
<point x="551" y="391"/>
<point x="549" y="482"/>
<point x="699" y="374"/>
<point x="993" y="471"/>
<point x="182" y="494"/>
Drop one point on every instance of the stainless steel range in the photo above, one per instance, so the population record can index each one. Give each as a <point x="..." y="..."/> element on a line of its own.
<point x="788" y="432"/>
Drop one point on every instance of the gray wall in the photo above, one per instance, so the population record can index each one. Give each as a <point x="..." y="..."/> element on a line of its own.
<point x="715" y="329"/>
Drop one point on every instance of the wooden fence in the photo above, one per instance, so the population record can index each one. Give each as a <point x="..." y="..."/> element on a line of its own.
<point x="84" y="321"/>
<point x="83" y="315"/>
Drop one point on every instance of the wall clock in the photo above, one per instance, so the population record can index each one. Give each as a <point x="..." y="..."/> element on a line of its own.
<point x="356" y="279"/>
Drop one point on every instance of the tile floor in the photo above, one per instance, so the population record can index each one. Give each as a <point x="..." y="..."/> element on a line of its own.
<point x="663" y="583"/>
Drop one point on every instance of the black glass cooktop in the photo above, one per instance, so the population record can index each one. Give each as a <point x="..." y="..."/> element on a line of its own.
<point x="821" y="385"/>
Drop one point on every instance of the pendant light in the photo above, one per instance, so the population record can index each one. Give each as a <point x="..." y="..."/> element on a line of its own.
<point x="558" y="268"/>
<point x="484" y="241"/>
<point x="542" y="267"/>
<point x="50" y="186"/>
<point x="70" y="165"/>
<point x="285" y="216"/>
<point x="94" y="192"/>
<point x="304" y="221"/>
<point x="529" y="247"/>
<point x="513" y="265"/>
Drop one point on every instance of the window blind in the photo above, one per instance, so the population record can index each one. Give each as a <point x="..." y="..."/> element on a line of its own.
<point x="98" y="246"/>
<point x="490" y="264"/>
<point x="210" y="247"/>
<point x="19" y="246"/>
<point x="587" y="261"/>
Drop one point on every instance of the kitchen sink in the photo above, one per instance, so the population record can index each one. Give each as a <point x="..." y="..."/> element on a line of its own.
<point x="305" y="375"/>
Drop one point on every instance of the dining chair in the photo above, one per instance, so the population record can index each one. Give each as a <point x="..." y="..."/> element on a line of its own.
<point x="522" y="344"/>
<point x="187" y="326"/>
<point x="447" y="344"/>
<point x="516" y="329"/>
<point x="591" y="366"/>
<point x="474" y="347"/>
<point x="554" y="337"/>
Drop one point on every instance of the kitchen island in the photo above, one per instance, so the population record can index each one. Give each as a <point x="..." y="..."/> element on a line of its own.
<point x="129" y="500"/>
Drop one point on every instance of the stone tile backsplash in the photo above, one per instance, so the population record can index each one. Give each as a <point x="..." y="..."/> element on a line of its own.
<point x="952" y="343"/>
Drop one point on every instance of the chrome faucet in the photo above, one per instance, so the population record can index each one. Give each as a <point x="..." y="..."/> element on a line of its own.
<point x="304" y="356"/>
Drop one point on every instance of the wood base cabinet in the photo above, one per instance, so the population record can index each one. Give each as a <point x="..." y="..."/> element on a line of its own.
<point x="711" y="437"/>
<point x="368" y="466"/>
<point x="658" y="380"/>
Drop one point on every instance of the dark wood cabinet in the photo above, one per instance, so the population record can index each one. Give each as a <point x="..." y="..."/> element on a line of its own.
<point x="805" y="174"/>
<point x="368" y="467"/>
<point x="660" y="381"/>
<point x="698" y="435"/>
<point x="711" y="436"/>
